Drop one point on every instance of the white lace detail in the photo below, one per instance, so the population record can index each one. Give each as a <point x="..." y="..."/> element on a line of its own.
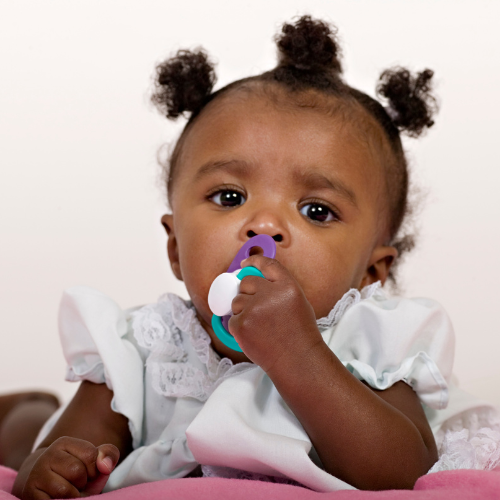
<point x="154" y="334"/>
<point x="160" y="328"/>
<point x="164" y="327"/>
<point x="469" y="450"/>
<point x="470" y="440"/>
<point x="472" y="420"/>
<point x="349" y="299"/>
<point x="229" y="473"/>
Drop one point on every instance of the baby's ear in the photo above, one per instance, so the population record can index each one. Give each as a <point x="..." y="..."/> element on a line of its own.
<point x="167" y="222"/>
<point x="379" y="265"/>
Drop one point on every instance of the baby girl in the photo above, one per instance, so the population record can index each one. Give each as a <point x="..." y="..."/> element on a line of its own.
<point x="337" y="386"/>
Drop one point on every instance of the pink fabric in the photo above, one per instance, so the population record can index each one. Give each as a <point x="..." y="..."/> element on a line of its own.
<point x="457" y="484"/>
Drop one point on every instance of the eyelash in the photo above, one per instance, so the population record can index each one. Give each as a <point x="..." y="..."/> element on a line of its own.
<point x="225" y="189"/>
<point x="320" y="203"/>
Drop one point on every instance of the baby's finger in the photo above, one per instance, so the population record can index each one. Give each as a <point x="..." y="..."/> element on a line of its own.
<point x="36" y="494"/>
<point x="70" y="468"/>
<point x="239" y="303"/>
<point x="107" y="458"/>
<point x="56" y="486"/>
<point x="81" y="449"/>
<point x="251" y="284"/>
<point x="270" y="268"/>
<point x="40" y="495"/>
<point x="96" y="486"/>
<point x="106" y="461"/>
<point x="234" y="324"/>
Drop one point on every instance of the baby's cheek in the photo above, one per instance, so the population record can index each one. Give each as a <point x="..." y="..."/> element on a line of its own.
<point x="323" y="305"/>
<point x="198" y="287"/>
<point x="324" y="295"/>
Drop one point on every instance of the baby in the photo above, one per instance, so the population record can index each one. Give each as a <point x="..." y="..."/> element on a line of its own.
<point x="337" y="386"/>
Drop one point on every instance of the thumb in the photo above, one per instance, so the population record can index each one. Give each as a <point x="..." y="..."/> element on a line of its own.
<point x="106" y="461"/>
<point x="107" y="458"/>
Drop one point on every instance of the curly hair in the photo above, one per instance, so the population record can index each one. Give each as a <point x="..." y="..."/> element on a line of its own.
<point x="309" y="59"/>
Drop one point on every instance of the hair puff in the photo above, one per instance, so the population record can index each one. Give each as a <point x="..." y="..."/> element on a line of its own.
<point x="411" y="104"/>
<point x="309" y="45"/>
<point x="183" y="83"/>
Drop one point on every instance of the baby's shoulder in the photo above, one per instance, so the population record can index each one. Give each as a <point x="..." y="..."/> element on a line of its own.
<point x="375" y="314"/>
<point x="383" y="339"/>
<point x="371" y="313"/>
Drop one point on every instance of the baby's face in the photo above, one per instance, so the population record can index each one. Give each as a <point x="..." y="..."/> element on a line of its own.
<point x="298" y="175"/>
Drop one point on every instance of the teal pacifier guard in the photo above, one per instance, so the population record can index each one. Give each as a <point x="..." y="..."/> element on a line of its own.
<point x="226" y="286"/>
<point x="223" y="335"/>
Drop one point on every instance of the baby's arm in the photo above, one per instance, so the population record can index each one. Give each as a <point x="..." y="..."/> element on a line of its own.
<point x="71" y="459"/>
<point x="370" y="439"/>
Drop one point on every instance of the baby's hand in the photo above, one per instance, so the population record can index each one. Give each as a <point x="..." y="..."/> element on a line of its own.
<point x="272" y="316"/>
<point x="70" y="468"/>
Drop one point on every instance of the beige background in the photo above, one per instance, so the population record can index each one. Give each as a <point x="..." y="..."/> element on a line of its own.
<point x="79" y="197"/>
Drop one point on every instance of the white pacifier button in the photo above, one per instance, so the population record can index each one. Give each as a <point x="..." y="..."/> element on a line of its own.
<point x="222" y="292"/>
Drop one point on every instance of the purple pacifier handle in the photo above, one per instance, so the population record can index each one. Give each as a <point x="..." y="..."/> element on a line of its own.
<point x="263" y="241"/>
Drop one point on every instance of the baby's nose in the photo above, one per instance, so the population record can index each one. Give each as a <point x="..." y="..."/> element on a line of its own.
<point x="276" y="237"/>
<point x="270" y="219"/>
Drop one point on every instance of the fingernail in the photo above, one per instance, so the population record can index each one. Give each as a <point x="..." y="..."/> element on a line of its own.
<point x="243" y="261"/>
<point x="108" y="463"/>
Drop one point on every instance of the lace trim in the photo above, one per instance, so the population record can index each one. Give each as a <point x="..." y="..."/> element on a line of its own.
<point x="160" y="328"/>
<point x="473" y="420"/>
<point x="469" y="450"/>
<point x="229" y="473"/>
<point x="154" y="334"/>
<point x="350" y="298"/>
<point x="471" y="440"/>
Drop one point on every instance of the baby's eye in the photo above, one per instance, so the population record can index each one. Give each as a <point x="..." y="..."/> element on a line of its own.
<point x="318" y="212"/>
<point x="228" y="198"/>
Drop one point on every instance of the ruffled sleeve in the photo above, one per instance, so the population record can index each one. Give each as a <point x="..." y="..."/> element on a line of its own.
<point x="385" y="340"/>
<point x="99" y="347"/>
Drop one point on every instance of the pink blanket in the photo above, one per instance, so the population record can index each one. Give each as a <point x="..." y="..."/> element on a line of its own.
<point x="456" y="485"/>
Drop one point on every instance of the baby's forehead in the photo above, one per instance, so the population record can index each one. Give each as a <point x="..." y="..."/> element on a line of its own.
<point x="260" y="128"/>
<point x="271" y="115"/>
<point x="341" y="111"/>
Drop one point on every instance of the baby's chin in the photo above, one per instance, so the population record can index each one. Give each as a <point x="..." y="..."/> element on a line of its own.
<point x="204" y="316"/>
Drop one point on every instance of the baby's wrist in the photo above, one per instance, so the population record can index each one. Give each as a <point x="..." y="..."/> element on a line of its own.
<point x="296" y="359"/>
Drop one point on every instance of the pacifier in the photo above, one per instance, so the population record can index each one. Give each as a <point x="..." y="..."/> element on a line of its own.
<point x="227" y="285"/>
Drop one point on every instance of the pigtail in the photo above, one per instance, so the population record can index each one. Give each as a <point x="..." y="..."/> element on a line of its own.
<point x="308" y="55"/>
<point x="183" y="83"/>
<point x="411" y="104"/>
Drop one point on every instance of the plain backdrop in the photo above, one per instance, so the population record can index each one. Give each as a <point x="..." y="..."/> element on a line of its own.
<point x="80" y="197"/>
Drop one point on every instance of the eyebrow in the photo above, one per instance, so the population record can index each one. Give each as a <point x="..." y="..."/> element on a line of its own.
<point x="231" y="166"/>
<point x="315" y="180"/>
<point x="311" y="180"/>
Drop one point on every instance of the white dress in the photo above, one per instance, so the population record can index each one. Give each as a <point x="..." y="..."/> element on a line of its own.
<point x="186" y="406"/>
